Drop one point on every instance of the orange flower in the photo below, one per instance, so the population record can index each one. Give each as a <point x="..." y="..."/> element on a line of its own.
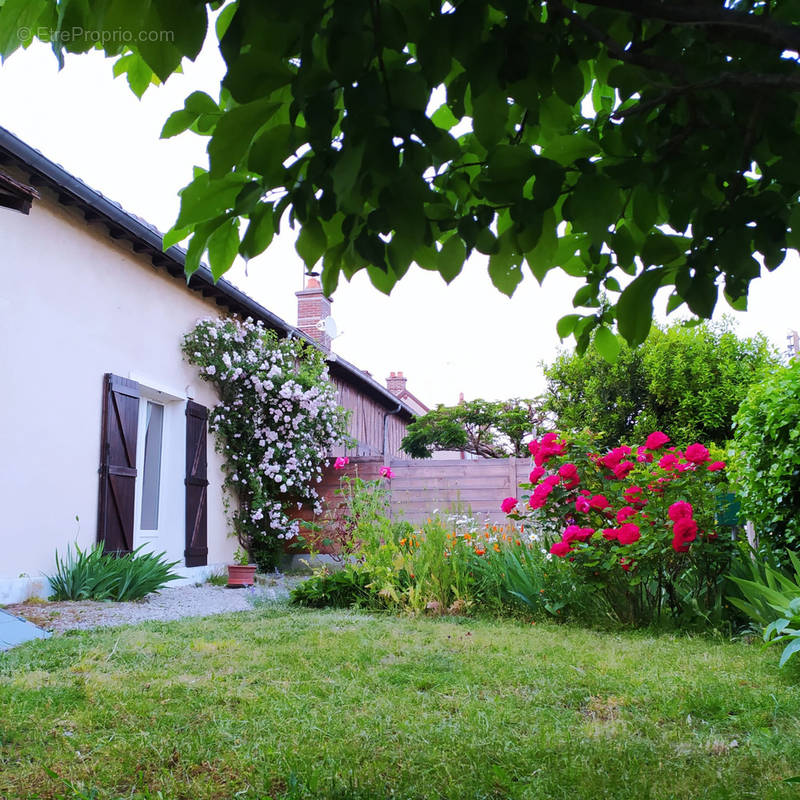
<point x="496" y="547"/>
<point x="402" y="542"/>
<point x="480" y="551"/>
<point x="518" y="542"/>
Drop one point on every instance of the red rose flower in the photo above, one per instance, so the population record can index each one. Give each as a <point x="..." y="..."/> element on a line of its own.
<point x="560" y="549"/>
<point x="533" y="447"/>
<point x="680" y="510"/>
<point x="656" y="440"/>
<point x="686" y="529"/>
<point x="697" y="453"/>
<point x="622" y="470"/>
<point x="508" y="504"/>
<point x="582" y="505"/>
<point x="628" y="533"/>
<point x="668" y="461"/>
<point x="624" y="513"/>
<point x="610" y="534"/>
<point x="599" y="502"/>
<point x="716" y="466"/>
<point x="679" y="545"/>
<point x="536" y="474"/>
<point x="572" y="532"/>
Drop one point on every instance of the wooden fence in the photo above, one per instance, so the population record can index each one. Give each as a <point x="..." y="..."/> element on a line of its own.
<point x="421" y="488"/>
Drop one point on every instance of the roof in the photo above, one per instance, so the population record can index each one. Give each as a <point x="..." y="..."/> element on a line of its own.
<point x="146" y="240"/>
<point x="16" y="195"/>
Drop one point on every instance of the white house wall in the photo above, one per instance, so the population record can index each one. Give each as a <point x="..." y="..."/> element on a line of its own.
<point x="74" y="305"/>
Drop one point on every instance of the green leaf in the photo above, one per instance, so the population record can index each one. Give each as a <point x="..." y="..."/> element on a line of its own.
<point x="204" y="199"/>
<point x="635" y="305"/>
<point x="452" y="257"/>
<point x="566" y="325"/>
<point x="595" y="205"/>
<point x="234" y="133"/>
<point x="17" y="17"/>
<point x="789" y="651"/>
<point x="259" y="233"/>
<point x="444" y="118"/>
<point x="489" y="118"/>
<point x="566" y="149"/>
<point x="311" y="243"/>
<point x="139" y="74"/>
<point x="510" y="163"/>
<point x="223" y="246"/>
<point x="177" y="122"/>
<point x="607" y="344"/>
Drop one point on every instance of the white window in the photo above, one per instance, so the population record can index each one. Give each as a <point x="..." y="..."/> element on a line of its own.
<point x="151" y="465"/>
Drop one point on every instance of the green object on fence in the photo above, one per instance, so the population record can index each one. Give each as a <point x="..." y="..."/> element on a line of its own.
<point x="728" y="510"/>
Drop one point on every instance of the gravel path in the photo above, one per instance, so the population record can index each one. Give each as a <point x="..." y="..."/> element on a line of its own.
<point x="169" y="603"/>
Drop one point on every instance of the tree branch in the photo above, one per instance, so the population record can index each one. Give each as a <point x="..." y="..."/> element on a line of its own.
<point x="785" y="36"/>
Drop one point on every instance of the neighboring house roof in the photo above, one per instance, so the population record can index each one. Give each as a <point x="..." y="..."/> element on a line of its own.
<point x="412" y="400"/>
<point x="146" y="240"/>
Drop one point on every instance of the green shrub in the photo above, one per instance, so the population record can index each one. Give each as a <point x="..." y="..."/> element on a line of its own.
<point x="340" y="589"/>
<point x="766" y="456"/>
<point x="92" y="575"/>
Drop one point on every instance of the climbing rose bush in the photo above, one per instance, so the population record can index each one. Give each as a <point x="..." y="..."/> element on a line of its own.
<point x="276" y="421"/>
<point x="637" y="523"/>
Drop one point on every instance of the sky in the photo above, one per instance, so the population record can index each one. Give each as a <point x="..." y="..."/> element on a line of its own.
<point x="466" y="337"/>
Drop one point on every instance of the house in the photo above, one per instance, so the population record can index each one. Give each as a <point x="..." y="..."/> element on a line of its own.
<point x="103" y="424"/>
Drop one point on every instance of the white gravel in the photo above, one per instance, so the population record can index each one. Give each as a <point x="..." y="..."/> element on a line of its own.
<point x="168" y="604"/>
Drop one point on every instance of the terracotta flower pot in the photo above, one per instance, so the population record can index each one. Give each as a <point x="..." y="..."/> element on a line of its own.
<point x="241" y="574"/>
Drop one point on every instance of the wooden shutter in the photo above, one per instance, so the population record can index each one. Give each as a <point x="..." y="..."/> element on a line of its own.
<point x="196" y="485"/>
<point x="118" y="464"/>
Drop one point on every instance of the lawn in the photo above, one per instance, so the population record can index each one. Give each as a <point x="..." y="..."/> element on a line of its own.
<point x="286" y="703"/>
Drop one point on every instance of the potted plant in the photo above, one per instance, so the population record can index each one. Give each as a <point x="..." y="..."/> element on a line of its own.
<point x="241" y="573"/>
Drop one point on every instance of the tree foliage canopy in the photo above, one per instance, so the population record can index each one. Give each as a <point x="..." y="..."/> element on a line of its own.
<point x="605" y="137"/>
<point x="685" y="381"/>
<point x="490" y="429"/>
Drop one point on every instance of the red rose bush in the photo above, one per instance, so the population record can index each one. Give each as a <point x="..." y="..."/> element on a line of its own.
<point x="638" y="524"/>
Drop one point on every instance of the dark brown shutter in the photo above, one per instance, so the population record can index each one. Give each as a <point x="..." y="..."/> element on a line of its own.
<point x="118" y="464"/>
<point x="196" y="485"/>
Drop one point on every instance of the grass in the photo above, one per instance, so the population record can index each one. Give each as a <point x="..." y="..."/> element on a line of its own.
<point x="286" y="703"/>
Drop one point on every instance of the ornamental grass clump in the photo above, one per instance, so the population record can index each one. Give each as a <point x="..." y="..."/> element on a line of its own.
<point x="275" y="423"/>
<point x="637" y="525"/>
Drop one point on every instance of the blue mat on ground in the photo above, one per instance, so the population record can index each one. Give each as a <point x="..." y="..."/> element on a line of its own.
<point x="14" y="631"/>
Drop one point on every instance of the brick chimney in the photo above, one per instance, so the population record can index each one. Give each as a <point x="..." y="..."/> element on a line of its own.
<point x="313" y="306"/>
<point x="396" y="383"/>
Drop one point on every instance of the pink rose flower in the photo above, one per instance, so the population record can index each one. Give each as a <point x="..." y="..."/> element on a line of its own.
<point x="599" y="502"/>
<point x="716" y="466"/>
<point x="582" y="505"/>
<point x="386" y="472"/>
<point x="341" y="462"/>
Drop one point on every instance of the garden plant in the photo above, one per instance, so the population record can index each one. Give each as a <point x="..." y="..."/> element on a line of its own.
<point x="275" y="423"/>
